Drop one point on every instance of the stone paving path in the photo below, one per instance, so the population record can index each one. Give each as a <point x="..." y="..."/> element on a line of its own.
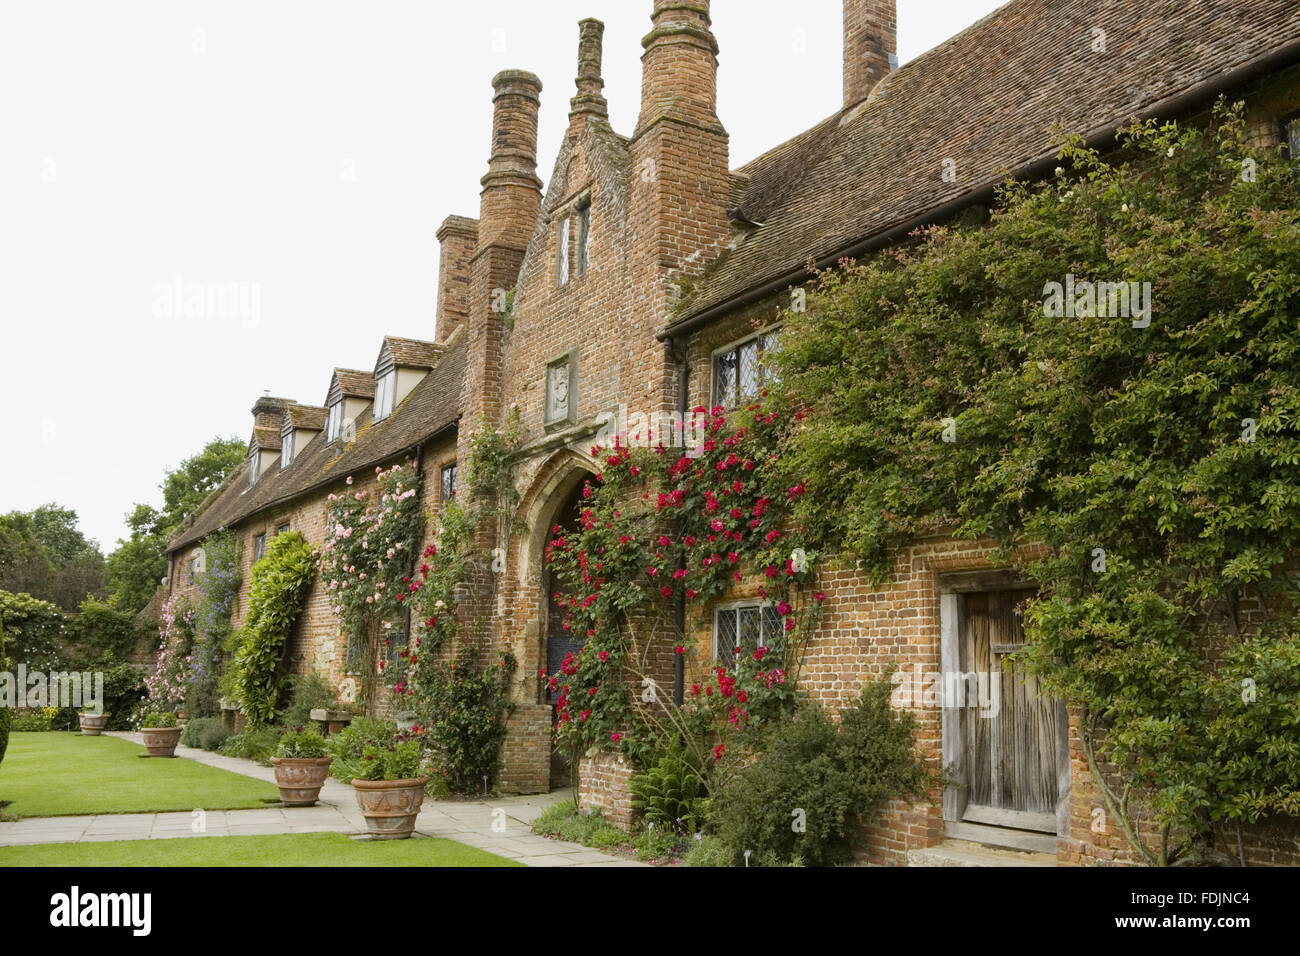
<point x="468" y="822"/>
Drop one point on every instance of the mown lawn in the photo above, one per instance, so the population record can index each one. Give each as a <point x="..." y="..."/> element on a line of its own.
<point x="297" y="850"/>
<point x="65" y="774"/>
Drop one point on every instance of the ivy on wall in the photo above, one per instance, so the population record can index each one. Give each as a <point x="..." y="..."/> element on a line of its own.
<point x="277" y="594"/>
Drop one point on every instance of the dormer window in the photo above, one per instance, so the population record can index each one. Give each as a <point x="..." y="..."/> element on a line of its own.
<point x="334" y="424"/>
<point x="286" y="449"/>
<point x="385" y="393"/>
<point x="254" y="467"/>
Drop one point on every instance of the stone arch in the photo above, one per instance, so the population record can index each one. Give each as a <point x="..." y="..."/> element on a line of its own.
<point x="555" y="481"/>
<point x="527" y="752"/>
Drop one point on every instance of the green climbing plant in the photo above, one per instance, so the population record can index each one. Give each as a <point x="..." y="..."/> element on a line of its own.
<point x="279" y="588"/>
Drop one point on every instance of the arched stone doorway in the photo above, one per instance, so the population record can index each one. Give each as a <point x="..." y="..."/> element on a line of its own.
<point x="537" y="636"/>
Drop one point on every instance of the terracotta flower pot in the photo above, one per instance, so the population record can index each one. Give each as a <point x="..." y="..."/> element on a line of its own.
<point x="92" y="725"/>
<point x="161" y="741"/>
<point x="390" y="806"/>
<point x="300" y="779"/>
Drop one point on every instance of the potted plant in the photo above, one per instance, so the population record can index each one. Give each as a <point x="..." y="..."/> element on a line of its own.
<point x="161" y="734"/>
<point x="92" y="724"/>
<point x="390" y="791"/>
<point x="301" y="764"/>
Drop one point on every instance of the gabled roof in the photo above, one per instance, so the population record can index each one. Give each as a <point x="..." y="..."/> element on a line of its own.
<point x="432" y="408"/>
<point x="352" y="383"/>
<point x="989" y="99"/>
<point x="411" y="353"/>
<point x="266" y="439"/>
<point x="307" y="417"/>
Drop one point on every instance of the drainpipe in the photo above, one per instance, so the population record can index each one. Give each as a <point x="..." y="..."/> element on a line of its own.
<point x="683" y="391"/>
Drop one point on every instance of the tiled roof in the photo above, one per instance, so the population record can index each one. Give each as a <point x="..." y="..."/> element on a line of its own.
<point x="432" y="407"/>
<point x="354" y="383"/>
<point x="989" y="99"/>
<point x="410" y="353"/>
<point x="267" y="439"/>
<point x="307" y="417"/>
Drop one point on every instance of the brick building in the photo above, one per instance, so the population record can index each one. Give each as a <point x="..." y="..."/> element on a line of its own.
<point x="648" y="276"/>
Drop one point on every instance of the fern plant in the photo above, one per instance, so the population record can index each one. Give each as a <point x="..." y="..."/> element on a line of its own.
<point x="672" y="793"/>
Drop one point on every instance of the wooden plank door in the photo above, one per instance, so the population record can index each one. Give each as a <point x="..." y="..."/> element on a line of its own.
<point x="1009" y="730"/>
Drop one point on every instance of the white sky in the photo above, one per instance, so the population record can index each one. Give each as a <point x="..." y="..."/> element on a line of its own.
<point x="214" y="140"/>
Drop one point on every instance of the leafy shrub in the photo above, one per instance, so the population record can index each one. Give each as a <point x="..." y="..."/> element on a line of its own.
<point x="33" y="631"/>
<point x="101" y="630"/>
<point x="253" y="743"/>
<point x="279" y="589"/>
<point x="39" y="720"/>
<point x="349" y="746"/>
<point x="214" y="736"/>
<point x="671" y="794"/>
<point x="463" y="710"/>
<point x="401" y="761"/>
<point x="123" y="689"/>
<point x="302" y="745"/>
<point x="160" y="720"/>
<point x="194" y="730"/>
<point x="814" y="783"/>
<point x="309" y="693"/>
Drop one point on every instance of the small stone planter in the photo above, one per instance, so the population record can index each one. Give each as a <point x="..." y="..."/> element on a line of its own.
<point x="92" y="725"/>
<point x="390" y="806"/>
<point x="161" y="741"/>
<point x="300" y="779"/>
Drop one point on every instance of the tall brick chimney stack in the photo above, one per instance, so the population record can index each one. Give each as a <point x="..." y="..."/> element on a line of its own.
<point x="680" y="175"/>
<point x="508" y="208"/>
<point x="512" y="193"/>
<point x="458" y="239"/>
<point x="590" y="100"/>
<point x="679" y="78"/>
<point x="870" y="46"/>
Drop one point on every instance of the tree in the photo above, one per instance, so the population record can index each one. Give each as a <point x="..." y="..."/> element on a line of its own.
<point x="186" y="488"/>
<point x="135" y="569"/>
<point x="43" y="553"/>
<point x="138" y="564"/>
<point x="1145" y="436"/>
